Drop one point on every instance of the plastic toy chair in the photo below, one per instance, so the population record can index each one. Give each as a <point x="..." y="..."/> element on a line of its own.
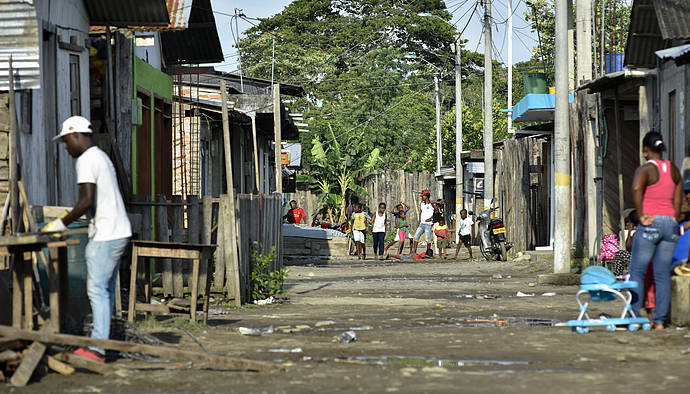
<point x="600" y="285"/>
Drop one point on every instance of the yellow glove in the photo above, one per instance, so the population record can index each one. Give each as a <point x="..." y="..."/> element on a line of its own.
<point x="54" y="226"/>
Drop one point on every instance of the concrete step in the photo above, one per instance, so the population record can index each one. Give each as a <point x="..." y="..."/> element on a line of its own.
<point x="680" y="300"/>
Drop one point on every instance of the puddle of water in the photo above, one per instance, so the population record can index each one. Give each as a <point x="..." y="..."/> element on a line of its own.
<point x="420" y="361"/>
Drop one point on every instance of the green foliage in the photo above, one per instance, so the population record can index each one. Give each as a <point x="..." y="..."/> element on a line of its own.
<point x="264" y="282"/>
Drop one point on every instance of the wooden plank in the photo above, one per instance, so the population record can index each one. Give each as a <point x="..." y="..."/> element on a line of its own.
<point x="17" y="283"/>
<point x="58" y="366"/>
<point x="194" y="279"/>
<point x="193" y="224"/>
<point x="156" y="351"/>
<point x="230" y="248"/>
<point x="31" y="359"/>
<point x="82" y="362"/>
<point x="28" y="293"/>
<point x="133" y="285"/>
<point x="206" y="234"/>
<point x="171" y="253"/>
<point x="163" y="235"/>
<point x="219" y="277"/>
<point x="11" y="343"/>
<point x="179" y="237"/>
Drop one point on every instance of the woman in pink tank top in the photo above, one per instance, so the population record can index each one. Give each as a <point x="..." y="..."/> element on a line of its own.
<point x="657" y="192"/>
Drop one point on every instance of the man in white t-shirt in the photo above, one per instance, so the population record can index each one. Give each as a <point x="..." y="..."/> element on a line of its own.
<point x="426" y="218"/>
<point x="465" y="233"/>
<point x="109" y="227"/>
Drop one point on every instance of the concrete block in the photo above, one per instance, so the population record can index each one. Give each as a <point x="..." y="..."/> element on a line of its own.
<point x="559" y="279"/>
<point x="680" y="300"/>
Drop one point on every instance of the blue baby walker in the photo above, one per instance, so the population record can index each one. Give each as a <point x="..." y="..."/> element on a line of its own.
<point x="601" y="285"/>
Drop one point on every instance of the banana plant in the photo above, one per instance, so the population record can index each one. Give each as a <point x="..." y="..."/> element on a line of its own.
<point x="334" y="172"/>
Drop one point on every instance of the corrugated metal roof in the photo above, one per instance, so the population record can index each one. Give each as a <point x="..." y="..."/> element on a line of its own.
<point x="19" y="38"/>
<point x="178" y="13"/>
<point x="123" y="13"/>
<point x="653" y="23"/>
<point x="199" y="43"/>
<point x="674" y="18"/>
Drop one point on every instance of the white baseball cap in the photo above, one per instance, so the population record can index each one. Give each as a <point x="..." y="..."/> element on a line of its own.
<point x="74" y="124"/>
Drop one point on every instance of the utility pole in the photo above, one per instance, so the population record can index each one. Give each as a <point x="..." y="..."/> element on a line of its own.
<point x="510" y="65"/>
<point x="562" y="234"/>
<point x="459" y="172"/>
<point x="583" y="21"/>
<point x="488" y="116"/>
<point x="277" y="120"/>
<point x="237" y="44"/>
<point x="439" y="151"/>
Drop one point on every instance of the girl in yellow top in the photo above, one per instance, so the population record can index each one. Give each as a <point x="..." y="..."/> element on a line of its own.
<point x="359" y="227"/>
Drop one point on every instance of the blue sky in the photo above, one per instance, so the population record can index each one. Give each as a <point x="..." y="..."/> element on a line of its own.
<point x="523" y="39"/>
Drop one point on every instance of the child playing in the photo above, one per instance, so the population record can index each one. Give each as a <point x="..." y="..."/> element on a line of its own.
<point x="379" y="230"/>
<point x="441" y="232"/>
<point x="359" y="228"/>
<point x="400" y="209"/>
<point x="466" y="233"/>
<point x="401" y="227"/>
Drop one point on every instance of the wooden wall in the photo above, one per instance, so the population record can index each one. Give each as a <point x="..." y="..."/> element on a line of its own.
<point x="522" y="171"/>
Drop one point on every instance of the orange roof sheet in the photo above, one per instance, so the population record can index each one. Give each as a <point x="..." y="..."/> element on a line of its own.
<point x="178" y="11"/>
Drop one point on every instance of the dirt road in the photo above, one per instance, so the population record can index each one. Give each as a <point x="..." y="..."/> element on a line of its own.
<point x="428" y="326"/>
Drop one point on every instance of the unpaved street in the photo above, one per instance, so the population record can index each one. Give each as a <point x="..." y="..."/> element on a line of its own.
<point x="426" y="326"/>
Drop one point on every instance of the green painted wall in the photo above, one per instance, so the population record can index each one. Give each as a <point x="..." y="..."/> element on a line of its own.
<point x="154" y="82"/>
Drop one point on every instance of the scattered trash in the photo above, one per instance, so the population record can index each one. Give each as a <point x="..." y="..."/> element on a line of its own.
<point x="267" y="301"/>
<point x="551" y="294"/>
<point x="295" y="350"/>
<point x="496" y="276"/>
<point x="255" y="331"/>
<point x="521" y="294"/>
<point x="531" y="284"/>
<point x="686" y="351"/>
<point x="347" y="337"/>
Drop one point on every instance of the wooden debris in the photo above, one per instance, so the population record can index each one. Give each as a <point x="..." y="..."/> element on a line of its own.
<point x="29" y="363"/>
<point x="82" y="362"/>
<point x="9" y="355"/>
<point x="58" y="366"/>
<point x="11" y="343"/>
<point x="157" y="351"/>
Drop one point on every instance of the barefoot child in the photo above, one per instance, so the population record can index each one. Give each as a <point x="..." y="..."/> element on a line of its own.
<point x="466" y="233"/>
<point x="441" y="232"/>
<point x="400" y="209"/>
<point x="401" y="227"/>
<point x="359" y="228"/>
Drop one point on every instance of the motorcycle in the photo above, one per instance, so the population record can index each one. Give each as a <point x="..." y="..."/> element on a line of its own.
<point x="492" y="236"/>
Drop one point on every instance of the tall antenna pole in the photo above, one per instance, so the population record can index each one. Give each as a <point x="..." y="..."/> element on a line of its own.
<point x="459" y="172"/>
<point x="488" y="116"/>
<point x="439" y="149"/>
<point x="237" y="44"/>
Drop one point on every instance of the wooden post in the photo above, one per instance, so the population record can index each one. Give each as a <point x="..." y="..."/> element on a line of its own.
<point x="14" y="191"/>
<point x="230" y="247"/>
<point x="257" y="185"/>
<point x="277" y="119"/>
<point x="619" y="162"/>
<point x="206" y="231"/>
<point x="177" y="236"/>
<point x="219" y="276"/>
<point x="194" y="226"/>
<point x="163" y="235"/>
<point x="643" y="110"/>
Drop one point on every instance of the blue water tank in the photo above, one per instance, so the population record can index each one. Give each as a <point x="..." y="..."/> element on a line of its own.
<point x="614" y="62"/>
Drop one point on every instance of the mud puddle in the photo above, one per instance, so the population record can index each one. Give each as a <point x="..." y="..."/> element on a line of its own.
<point x="474" y="365"/>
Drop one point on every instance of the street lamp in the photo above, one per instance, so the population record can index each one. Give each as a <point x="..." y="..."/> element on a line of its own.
<point x="459" y="174"/>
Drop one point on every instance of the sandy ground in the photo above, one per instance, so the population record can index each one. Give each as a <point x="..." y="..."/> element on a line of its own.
<point x="429" y="326"/>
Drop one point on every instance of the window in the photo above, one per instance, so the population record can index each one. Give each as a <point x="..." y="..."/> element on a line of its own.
<point x="74" y="86"/>
<point x="672" y="125"/>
